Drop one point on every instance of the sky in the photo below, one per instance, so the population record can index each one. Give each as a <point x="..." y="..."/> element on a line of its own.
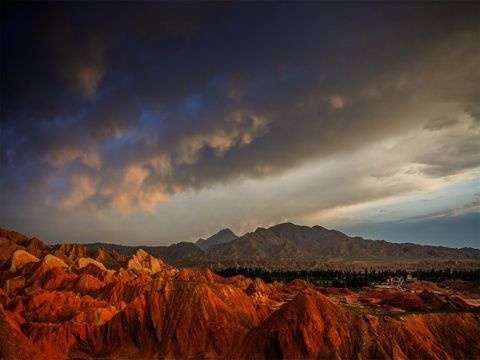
<point x="154" y="123"/>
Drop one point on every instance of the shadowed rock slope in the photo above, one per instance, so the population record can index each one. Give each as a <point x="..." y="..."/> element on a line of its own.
<point x="222" y="237"/>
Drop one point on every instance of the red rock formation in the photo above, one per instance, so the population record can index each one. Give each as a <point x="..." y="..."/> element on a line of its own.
<point x="35" y="246"/>
<point x="70" y="252"/>
<point x="20" y="258"/>
<point x="84" y="261"/>
<point x="12" y="240"/>
<point x="53" y="261"/>
<point x="7" y="248"/>
<point x="311" y="326"/>
<point x="67" y="304"/>
<point x="142" y="261"/>
<point x="14" y="344"/>
<point x="13" y="284"/>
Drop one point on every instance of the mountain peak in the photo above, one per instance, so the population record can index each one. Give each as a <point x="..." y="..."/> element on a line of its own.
<point x="221" y="237"/>
<point x="225" y="232"/>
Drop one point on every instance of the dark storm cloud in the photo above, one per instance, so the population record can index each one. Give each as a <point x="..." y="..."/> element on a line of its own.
<point x="126" y="104"/>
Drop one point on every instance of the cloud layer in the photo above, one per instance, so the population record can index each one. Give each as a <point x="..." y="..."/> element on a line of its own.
<point x="109" y="110"/>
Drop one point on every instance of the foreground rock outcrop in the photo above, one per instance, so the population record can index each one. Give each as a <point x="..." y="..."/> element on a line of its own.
<point x="71" y="302"/>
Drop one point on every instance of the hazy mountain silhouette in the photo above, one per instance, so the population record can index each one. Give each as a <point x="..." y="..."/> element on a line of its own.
<point x="292" y="246"/>
<point x="223" y="236"/>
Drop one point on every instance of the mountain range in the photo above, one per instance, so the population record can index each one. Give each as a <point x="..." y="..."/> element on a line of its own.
<point x="293" y="246"/>
<point x="286" y="246"/>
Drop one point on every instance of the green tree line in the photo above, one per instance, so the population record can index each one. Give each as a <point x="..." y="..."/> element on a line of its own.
<point x="350" y="279"/>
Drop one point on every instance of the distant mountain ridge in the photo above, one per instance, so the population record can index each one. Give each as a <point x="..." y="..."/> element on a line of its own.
<point x="222" y="237"/>
<point x="288" y="246"/>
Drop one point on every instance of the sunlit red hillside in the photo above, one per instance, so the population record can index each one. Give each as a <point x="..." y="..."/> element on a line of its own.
<point x="57" y="303"/>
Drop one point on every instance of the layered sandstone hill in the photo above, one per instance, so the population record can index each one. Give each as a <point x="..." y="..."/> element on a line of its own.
<point x="58" y="302"/>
